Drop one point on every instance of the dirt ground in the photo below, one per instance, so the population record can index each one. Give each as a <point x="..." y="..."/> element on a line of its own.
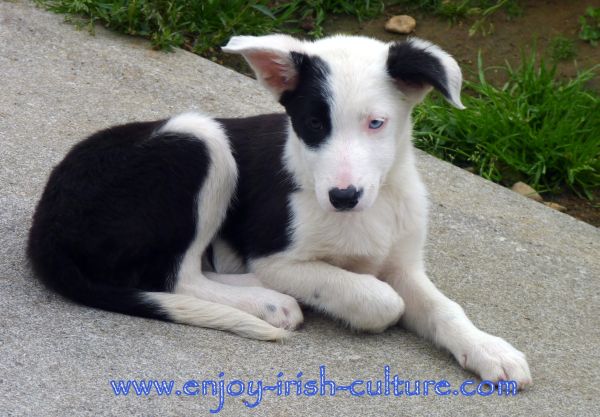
<point x="540" y="22"/>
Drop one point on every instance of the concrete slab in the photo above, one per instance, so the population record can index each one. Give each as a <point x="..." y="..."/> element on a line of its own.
<point x="521" y="271"/>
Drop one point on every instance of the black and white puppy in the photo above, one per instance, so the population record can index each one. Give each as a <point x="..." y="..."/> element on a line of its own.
<point x="227" y="223"/>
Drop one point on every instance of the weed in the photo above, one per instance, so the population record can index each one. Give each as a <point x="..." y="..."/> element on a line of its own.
<point x="198" y="25"/>
<point x="317" y="10"/>
<point x="590" y="25"/>
<point x="535" y="128"/>
<point x="455" y="10"/>
<point x="562" y="49"/>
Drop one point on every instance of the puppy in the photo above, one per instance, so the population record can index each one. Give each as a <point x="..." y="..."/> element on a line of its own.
<point x="227" y="223"/>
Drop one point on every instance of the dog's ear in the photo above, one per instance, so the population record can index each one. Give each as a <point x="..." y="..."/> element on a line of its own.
<point x="271" y="59"/>
<point x="417" y="65"/>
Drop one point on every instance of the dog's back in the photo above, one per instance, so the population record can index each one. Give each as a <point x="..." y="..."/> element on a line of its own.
<point x="118" y="215"/>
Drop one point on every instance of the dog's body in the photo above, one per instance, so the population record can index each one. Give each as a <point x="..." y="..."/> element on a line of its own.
<point x="226" y="223"/>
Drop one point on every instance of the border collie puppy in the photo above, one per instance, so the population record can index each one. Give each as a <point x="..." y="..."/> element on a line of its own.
<point x="229" y="223"/>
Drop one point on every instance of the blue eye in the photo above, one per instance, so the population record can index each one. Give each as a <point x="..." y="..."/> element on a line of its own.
<point x="375" y="123"/>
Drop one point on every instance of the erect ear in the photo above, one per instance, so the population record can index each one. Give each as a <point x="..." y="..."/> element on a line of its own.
<point x="418" y="65"/>
<point x="271" y="59"/>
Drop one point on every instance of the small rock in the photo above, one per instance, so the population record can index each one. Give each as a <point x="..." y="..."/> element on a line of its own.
<point x="555" y="206"/>
<point x="401" y="24"/>
<point x="527" y="191"/>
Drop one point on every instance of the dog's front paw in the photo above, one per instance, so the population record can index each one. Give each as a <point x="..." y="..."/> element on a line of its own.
<point x="374" y="306"/>
<point x="494" y="359"/>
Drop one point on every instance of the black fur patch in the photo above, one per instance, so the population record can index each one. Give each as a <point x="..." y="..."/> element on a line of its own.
<point x="117" y="215"/>
<point x="119" y="212"/>
<point x="416" y="67"/>
<point x="308" y="105"/>
<point x="258" y="218"/>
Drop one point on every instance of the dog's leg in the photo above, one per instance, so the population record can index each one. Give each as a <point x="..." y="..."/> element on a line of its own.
<point x="277" y="309"/>
<point x="225" y="260"/>
<point x="432" y="315"/>
<point x="238" y="280"/>
<point x="363" y="301"/>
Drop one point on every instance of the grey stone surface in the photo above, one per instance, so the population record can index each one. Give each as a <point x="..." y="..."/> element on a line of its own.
<point x="521" y="271"/>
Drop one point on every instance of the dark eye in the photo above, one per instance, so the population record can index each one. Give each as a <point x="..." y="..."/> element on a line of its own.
<point x="376" y="123"/>
<point x="314" y="123"/>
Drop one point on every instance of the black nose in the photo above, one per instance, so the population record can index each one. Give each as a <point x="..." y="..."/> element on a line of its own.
<point x="344" y="199"/>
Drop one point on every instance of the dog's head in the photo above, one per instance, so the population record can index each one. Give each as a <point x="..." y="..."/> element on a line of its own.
<point x="349" y="100"/>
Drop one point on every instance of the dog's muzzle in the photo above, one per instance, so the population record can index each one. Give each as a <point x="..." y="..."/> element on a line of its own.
<point x="344" y="199"/>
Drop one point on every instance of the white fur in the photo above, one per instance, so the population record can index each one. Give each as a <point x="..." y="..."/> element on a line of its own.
<point x="226" y="260"/>
<point x="238" y="280"/>
<point x="269" y="58"/>
<point x="196" y="312"/>
<point x="366" y="266"/>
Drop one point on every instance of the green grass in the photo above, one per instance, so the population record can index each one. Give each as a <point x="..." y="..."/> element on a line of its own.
<point x="197" y="25"/>
<point x="590" y="25"/>
<point x="535" y="128"/>
<point x="203" y="25"/>
<point x="562" y="49"/>
<point x="316" y="11"/>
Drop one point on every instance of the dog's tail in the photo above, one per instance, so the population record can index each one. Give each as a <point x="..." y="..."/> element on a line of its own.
<point x="61" y="274"/>
<point x="191" y="310"/>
